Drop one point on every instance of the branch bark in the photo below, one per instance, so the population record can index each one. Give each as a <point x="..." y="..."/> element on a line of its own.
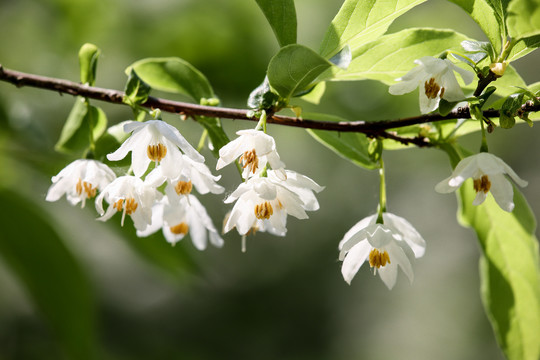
<point x="370" y="128"/>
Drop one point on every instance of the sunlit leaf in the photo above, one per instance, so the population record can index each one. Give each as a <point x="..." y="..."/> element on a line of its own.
<point x="294" y="68"/>
<point x="281" y="15"/>
<point x="510" y="277"/>
<point x="351" y="146"/>
<point x="359" y="22"/>
<point x="88" y="57"/>
<point x="173" y="75"/>
<point x="393" y="55"/>
<point x="490" y="16"/>
<point x="51" y="275"/>
<point x="523" y="18"/>
<point x="524" y="47"/>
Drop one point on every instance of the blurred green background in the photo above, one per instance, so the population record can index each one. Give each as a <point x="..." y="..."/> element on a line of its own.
<point x="120" y="297"/>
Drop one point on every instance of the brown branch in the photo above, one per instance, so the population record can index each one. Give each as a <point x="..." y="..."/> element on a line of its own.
<point x="371" y="128"/>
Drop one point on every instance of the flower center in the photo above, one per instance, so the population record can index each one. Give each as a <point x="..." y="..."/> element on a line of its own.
<point x="249" y="158"/>
<point x="183" y="187"/>
<point x="482" y="184"/>
<point x="180" y="229"/>
<point x="86" y="187"/>
<point x="432" y="89"/>
<point x="378" y="259"/>
<point x="128" y="206"/>
<point x="263" y="211"/>
<point x="156" y="152"/>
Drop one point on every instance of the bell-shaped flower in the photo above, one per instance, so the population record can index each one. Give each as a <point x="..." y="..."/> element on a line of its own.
<point x="299" y="184"/>
<point x="385" y="246"/>
<point x="178" y="218"/>
<point x="128" y="195"/>
<point x="488" y="174"/>
<point x="156" y="141"/>
<point x="255" y="150"/>
<point x="435" y="80"/>
<point x="188" y="173"/>
<point x="80" y="180"/>
<point x="259" y="198"/>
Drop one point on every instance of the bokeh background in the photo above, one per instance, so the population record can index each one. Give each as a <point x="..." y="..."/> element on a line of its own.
<point x="283" y="299"/>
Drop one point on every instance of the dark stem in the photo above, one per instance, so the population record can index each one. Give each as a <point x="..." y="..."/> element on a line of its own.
<point x="371" y="128"/>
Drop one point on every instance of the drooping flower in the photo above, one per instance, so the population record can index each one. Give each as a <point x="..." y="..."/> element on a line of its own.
<point x="254" y="148"/>
<point x="80" y="180"/>
<point x="157" y="141"/>
<point x="385" y="246"/>
<point x="435" y="80"/>
<point x="259" y="198"/>
<point x="130" y="196"/>
<point x="487" y="172"/>
<point x="298" y="184"/>
<point x="178" y="218"/>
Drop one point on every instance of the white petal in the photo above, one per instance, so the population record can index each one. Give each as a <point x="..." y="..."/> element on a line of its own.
<point x="503" y="192"/>
<point x="173" y="135"/>
<point x="388" y="275"/>
<point x="379" y="235"/>
<point x="354" y="260"/>
<point x="409" y="233"/>
<point x="362" y="224"/>
<point x="404" y="87"/>
<point x="480" y="198"/>
<point x="427" y="105"/>
<point x="452" y="90"/>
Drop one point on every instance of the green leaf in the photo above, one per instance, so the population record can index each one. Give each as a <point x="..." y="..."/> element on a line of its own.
<point x="281" y="15"/>
<point x="523" y="18"/>
<point x="294" y="68"/>
<point x="84" y="125"/>
<point x="88" y="57"/>
<point x="351" y="146"/>
<point x="510" y="278"/>
<point x="51" y="275"/>
<point x="173" y="75"/>
<point x="509" y="271"/>
<point x="315" y="95"/>
<point x="359" y="22"/>
<point x="524" y="47"/>
<point x="262" y="97"/>
<point x="136" y="90"/>
<point x="490" y="16"/>
<point x="393" y="55"/>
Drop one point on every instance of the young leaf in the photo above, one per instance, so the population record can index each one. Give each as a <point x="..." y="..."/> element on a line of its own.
<point x="136" y="90"/>
<point x="393" y="55"/>
<point x="84" y="125"/>
<point x="51" y="275"/>
<point x="294" y="68"/>
<point x="281" y="15"/>
<point x="88" y="57"/>
<point x="262" y="97"/>
<point x="359" y="22"/>
<point x="490" y="16"/>
<point x="510" y="279"/>
<point x="524" y="47"/>
<point x="523" y="18"/>
<point x="173" y="75"/>
<point x="351" y="146"/>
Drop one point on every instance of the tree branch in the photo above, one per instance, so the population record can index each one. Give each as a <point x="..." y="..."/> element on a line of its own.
<point x="371" y="128"/>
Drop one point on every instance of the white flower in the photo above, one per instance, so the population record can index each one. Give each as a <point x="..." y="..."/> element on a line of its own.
<point x="131" y="196"/>
<point x="188" y="173"/>
<point x="487" y="172"/>
<point x="386" y="246"/>
<point x="157" y="141"/>
<point x="299" y="184"/>
<point x="259" y="198"/>
<point x="255" y="149"/>
<point x="435" y="79"/>
<point x="178" y="218"/>
<point x="80" y="180"/>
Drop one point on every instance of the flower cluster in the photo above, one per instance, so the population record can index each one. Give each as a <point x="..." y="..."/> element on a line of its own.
<point x="177" y="164"/>
<point x="266" y="197"/>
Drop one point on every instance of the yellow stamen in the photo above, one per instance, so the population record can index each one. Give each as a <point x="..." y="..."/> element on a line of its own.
<point x="86" y="187"/>
<point x="129" y="207"/>
<point x="264" y="210"/>
<point x="181" y="228"/>
<point x="156" y="152"/>
<point x="482" y="184"/>
<point x="432" y="89"/>
<point x="249" y="158"/>
<point x="183" y="187"/>
<point x="378" y="259"/>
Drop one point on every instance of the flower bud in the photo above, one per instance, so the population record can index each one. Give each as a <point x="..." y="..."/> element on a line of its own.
<point x="498" y="68"/>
